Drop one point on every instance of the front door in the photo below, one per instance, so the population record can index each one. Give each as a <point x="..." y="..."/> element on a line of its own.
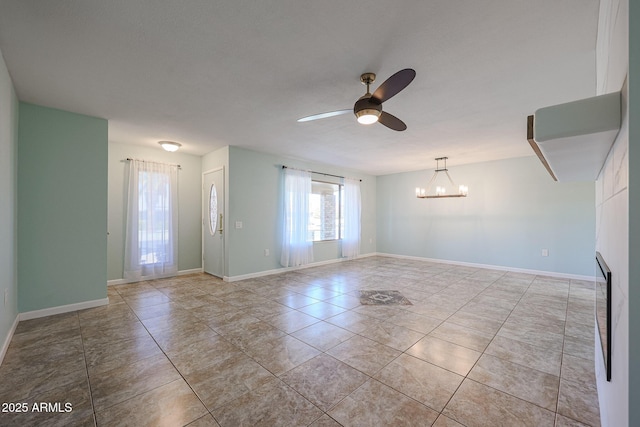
<point x="213" y="222"/>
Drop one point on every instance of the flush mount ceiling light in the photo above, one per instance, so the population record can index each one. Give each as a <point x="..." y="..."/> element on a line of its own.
<point x="170" y="145"/>
<point x="441" y="191"/>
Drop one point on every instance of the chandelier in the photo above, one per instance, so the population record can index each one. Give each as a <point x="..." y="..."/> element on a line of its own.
<point x="441" y="190"/>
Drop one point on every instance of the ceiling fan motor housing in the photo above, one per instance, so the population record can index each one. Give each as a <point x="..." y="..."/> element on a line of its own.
<point x="365" y="107"/>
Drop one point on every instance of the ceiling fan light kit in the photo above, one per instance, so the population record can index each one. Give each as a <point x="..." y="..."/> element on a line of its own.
<point x="441" y="191"/>
<point x="368" y="108"/>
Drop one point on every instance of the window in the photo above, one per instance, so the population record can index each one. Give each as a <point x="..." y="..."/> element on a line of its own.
<point x="326" y="221"/>
<point x="152" y="221"/>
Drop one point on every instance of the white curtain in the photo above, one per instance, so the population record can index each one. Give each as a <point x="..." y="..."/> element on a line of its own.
<point x="352" y="208"/>
<point x="297" y="247"/>
<point x="151" y="241"/>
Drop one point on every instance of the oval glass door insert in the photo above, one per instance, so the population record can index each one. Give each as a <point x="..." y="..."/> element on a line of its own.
<point x="213" y="209"/>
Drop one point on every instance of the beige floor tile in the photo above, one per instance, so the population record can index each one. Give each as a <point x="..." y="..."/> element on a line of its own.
<point x="375" y="404"/>
<point x="579" y="347"/>
<point x="416" y="322"/>
<point x="45" y="325"/>
<point x="354" y="322"/>
<point x="159" y="310"/>
<point x="117" y="385"/>
<point x="202" y="354"/>
<point x="30" y="348"/>
<point x="579" y="401"/>
<point x="532" y="334"/>
<point x="364" y="354"/>
<point x="447" y="355"/>
<point x="325" y="421"/>
<point x="420" y="380"/>
<point x="103" y="356"/>
<point x="273" y="404"/>
<point x="178" y="337"/>
<point x="562" y="421"/>
<point x="578" y="369"/>
<point x="527" y="384"/>
<point x="114" y="332"/>
<point x="322" y="310"/>
<point x="206" y="421"/>
<point x="170" y="322"/>
<point x="444" y="421"/>
<point x="279" y="355"/>
<point x="291" y="321"/>
<point x="461" y="335"/>
<point x="524" y="354"/>
<point x="24" y="381"/>
<point x="295" y="300"/>
<point x="324" y="380"/>
<point x="322" y="335"/>
<point x="393" y="335"/>
<point x="252" y="334"/>
<point x="345" y="301"/>
<point x="475" y="404"/>
<point x="172" y="404"/>
<point x="477" y="322"/>
<point x="227" y="379"/>
<point x="71" y="407"/>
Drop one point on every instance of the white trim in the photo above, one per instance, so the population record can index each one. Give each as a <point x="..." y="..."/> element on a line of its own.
<point x="287" y="269"/>
<point x="179" y="273"/>
<point x="7" y="341"/>
<point x="491" y="267"/>
<point x="62" y="309"/>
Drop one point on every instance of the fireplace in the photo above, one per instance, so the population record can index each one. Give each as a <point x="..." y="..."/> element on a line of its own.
<point x="603" y="310"/>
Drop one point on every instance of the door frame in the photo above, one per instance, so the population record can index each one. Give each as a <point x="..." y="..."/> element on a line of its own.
<point x="204" y="225"/>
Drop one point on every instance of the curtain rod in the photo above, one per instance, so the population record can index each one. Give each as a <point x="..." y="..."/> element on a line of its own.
<point x="318" y="173"/>
<point x="149" y="161"/>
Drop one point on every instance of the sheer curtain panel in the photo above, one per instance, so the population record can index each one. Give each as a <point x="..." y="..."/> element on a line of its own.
<point x="151" y="242"/>
<point x="352" y="208"/>
<point x="297" y="247"/>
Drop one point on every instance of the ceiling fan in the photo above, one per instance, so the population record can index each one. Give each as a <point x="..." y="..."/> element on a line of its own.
<point x="368" y="108"/>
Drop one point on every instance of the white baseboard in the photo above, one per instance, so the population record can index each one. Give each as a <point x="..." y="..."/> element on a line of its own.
<point x="7" y="340"/>
<point x="62" y="309"/>
<point x="179" y="273"/>
<point x="286" y="269"/>
<point x="491" y="267"/>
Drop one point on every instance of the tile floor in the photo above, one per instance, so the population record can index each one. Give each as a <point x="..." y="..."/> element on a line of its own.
<point x="477" y="347"/>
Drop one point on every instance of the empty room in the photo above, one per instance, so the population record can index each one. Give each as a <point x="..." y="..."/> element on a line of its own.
<point x="279" y="213"/>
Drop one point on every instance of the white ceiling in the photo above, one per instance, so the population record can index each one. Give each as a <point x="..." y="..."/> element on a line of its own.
<point x="211" y="73"/>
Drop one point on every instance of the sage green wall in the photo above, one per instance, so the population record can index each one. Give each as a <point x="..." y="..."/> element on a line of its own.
<point x="513" y="211"/>
<point x="255" y="188"/>
<point x="62" y="208"/>
<point x="189" y="205"/>
<point x="8" y="203"/>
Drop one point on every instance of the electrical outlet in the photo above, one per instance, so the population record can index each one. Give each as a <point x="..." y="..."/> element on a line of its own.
<point x="545" y="252"/>
<point x="238" y="224"/>
<point x="266" y="252"/>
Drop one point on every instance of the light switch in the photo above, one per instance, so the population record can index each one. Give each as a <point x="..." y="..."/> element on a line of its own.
<point x="238" y="224"/>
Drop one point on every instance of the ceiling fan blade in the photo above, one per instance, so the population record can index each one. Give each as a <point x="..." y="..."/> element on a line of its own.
<point x="391" y="121"/>
<point x="325" y="115"/>
<point x="393" y="85"/>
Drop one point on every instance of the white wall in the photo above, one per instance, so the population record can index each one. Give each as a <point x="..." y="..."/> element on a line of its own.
<point x="612" y="214"/>
<point x="8" y="206"/>
<point x="513" y="211"/>
<point x="189" y="184"/>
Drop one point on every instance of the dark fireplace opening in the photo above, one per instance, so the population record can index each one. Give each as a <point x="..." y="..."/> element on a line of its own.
<point x="603" y="310"/>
